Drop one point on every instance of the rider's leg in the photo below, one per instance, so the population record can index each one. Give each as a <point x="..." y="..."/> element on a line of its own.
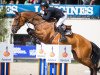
<point x="61" y="20"/>
<point x="61" y="29"/>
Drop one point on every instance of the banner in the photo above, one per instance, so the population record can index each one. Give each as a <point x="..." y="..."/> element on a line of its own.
<point x="54" y="53"/>
<point x="25" y="51"/>
<point x="6" y="52"/>
<point x="72" y="10"/>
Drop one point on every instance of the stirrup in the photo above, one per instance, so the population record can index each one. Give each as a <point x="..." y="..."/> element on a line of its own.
<point x="68" y="32"/>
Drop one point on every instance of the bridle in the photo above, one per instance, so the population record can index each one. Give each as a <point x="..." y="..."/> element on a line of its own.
<point x="17" y="26"/>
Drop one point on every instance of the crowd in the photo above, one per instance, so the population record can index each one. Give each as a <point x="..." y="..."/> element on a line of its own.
<point x="37" y="1"/>
<point x="84" y="2"/>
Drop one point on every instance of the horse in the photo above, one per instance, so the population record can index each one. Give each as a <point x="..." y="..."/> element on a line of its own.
<point x="83" y="50"/>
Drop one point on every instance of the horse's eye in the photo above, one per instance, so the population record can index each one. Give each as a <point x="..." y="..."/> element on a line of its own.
<point x="15" y="19"/>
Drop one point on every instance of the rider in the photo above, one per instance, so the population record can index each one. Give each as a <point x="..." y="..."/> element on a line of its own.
<point x="58" y="14"/>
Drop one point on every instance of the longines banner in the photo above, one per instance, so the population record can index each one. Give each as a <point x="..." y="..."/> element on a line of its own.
<point x="6" y="52"/>
<point x="72" y="10"/>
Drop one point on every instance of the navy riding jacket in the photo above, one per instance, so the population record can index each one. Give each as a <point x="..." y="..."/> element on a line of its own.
<point x="52" y="13"/>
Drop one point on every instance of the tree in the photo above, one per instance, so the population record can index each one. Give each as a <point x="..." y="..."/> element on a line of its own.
<point x="3" y="28"/>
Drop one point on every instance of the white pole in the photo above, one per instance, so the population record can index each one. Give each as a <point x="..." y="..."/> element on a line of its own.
<point x="5" y="69"/>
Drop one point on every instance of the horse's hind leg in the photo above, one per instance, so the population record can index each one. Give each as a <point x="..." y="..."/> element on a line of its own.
<point x="86" y="62"/>
<point x="93" y="71"/>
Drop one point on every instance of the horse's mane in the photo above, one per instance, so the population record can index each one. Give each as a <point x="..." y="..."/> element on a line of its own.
<point x="31" y="14"/>
<point x="28" y="12"/>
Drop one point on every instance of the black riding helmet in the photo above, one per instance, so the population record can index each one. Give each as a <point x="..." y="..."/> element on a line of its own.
<point x="44" y="4"/>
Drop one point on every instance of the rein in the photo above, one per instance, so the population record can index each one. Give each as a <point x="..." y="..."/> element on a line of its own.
<point x="28" y="20"/>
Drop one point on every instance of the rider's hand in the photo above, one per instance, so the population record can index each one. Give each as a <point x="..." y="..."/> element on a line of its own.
<point x="42" y="12"/>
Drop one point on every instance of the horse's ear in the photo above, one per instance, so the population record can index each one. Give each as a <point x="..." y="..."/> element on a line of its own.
<point x="16" y="13"/>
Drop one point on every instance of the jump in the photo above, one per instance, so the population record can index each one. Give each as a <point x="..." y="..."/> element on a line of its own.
<point x="84" y="51"/>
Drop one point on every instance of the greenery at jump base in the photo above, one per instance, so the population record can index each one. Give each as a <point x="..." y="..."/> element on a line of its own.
<point x="3" y="27"/>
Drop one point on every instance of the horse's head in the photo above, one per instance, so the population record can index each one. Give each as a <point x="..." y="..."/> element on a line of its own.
<point x="23" y="17"/>
<point x="18" y="22"/>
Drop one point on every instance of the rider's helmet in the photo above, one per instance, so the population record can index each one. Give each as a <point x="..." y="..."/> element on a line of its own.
<point x="44" y="4"/>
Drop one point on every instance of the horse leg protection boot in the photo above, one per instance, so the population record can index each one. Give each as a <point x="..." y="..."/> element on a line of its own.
<point x="30" y="31"/>
<point x="62" y="32"/>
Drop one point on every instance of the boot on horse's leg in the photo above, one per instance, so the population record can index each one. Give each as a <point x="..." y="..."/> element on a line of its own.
<point x="61" y="30"/>
<point x="30" y="31"/>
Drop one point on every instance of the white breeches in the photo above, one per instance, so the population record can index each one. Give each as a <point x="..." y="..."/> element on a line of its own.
<point x="61" y="20"/>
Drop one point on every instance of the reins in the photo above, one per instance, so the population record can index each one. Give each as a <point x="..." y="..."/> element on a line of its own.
<point x="28" y="20"/>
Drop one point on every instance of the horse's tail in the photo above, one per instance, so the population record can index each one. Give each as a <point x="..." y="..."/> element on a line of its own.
<point x="95" y="56"/>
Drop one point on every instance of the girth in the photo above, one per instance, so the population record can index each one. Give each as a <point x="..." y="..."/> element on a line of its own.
<point x="51" y="39"/>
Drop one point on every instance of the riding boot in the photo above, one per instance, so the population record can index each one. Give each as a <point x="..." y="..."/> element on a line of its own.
<point x="62" y="32"/>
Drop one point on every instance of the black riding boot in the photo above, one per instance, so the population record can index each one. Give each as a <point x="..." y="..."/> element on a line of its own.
<point x="62" y="31"/>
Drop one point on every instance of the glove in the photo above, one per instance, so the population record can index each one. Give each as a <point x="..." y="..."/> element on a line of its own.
<point x="39" y="14"/>
<point x="42" y="12"/>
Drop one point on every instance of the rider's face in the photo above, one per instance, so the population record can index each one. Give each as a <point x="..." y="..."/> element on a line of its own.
<point x="43" y="8"/>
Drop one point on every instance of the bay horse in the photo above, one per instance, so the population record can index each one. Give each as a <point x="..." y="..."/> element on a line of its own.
<point x="83" y="50"/>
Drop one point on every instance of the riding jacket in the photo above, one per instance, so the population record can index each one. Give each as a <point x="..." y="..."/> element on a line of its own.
<point x="52" y="13"/>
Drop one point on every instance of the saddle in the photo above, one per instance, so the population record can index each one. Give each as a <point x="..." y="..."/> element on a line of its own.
<point x="67" y="28"/>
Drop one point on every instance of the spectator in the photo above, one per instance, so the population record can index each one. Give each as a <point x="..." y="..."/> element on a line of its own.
<point x="35" y="1"/>
<point x="17" y="1"/>
<point x="62" y="1"/>
<point x="95" y="2"/>
<point x="11" y="2"/>
<point x="39" y="1"/>
<point x="29" y="2"/>
<point x="4" y="2"/>
<point x="48" y="1"/>
<point x="56" y="2"/>
<point x="86" y="2"/>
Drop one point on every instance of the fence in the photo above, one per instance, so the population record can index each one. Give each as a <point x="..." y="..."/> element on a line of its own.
<point x="44" y="68"/>
<point x="52" y="68"/>
<point x="57" y="67"/>
<point x="4" y="68"/>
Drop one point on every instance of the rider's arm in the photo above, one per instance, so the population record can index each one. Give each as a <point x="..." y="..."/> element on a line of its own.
<point x="47" y="16"/>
